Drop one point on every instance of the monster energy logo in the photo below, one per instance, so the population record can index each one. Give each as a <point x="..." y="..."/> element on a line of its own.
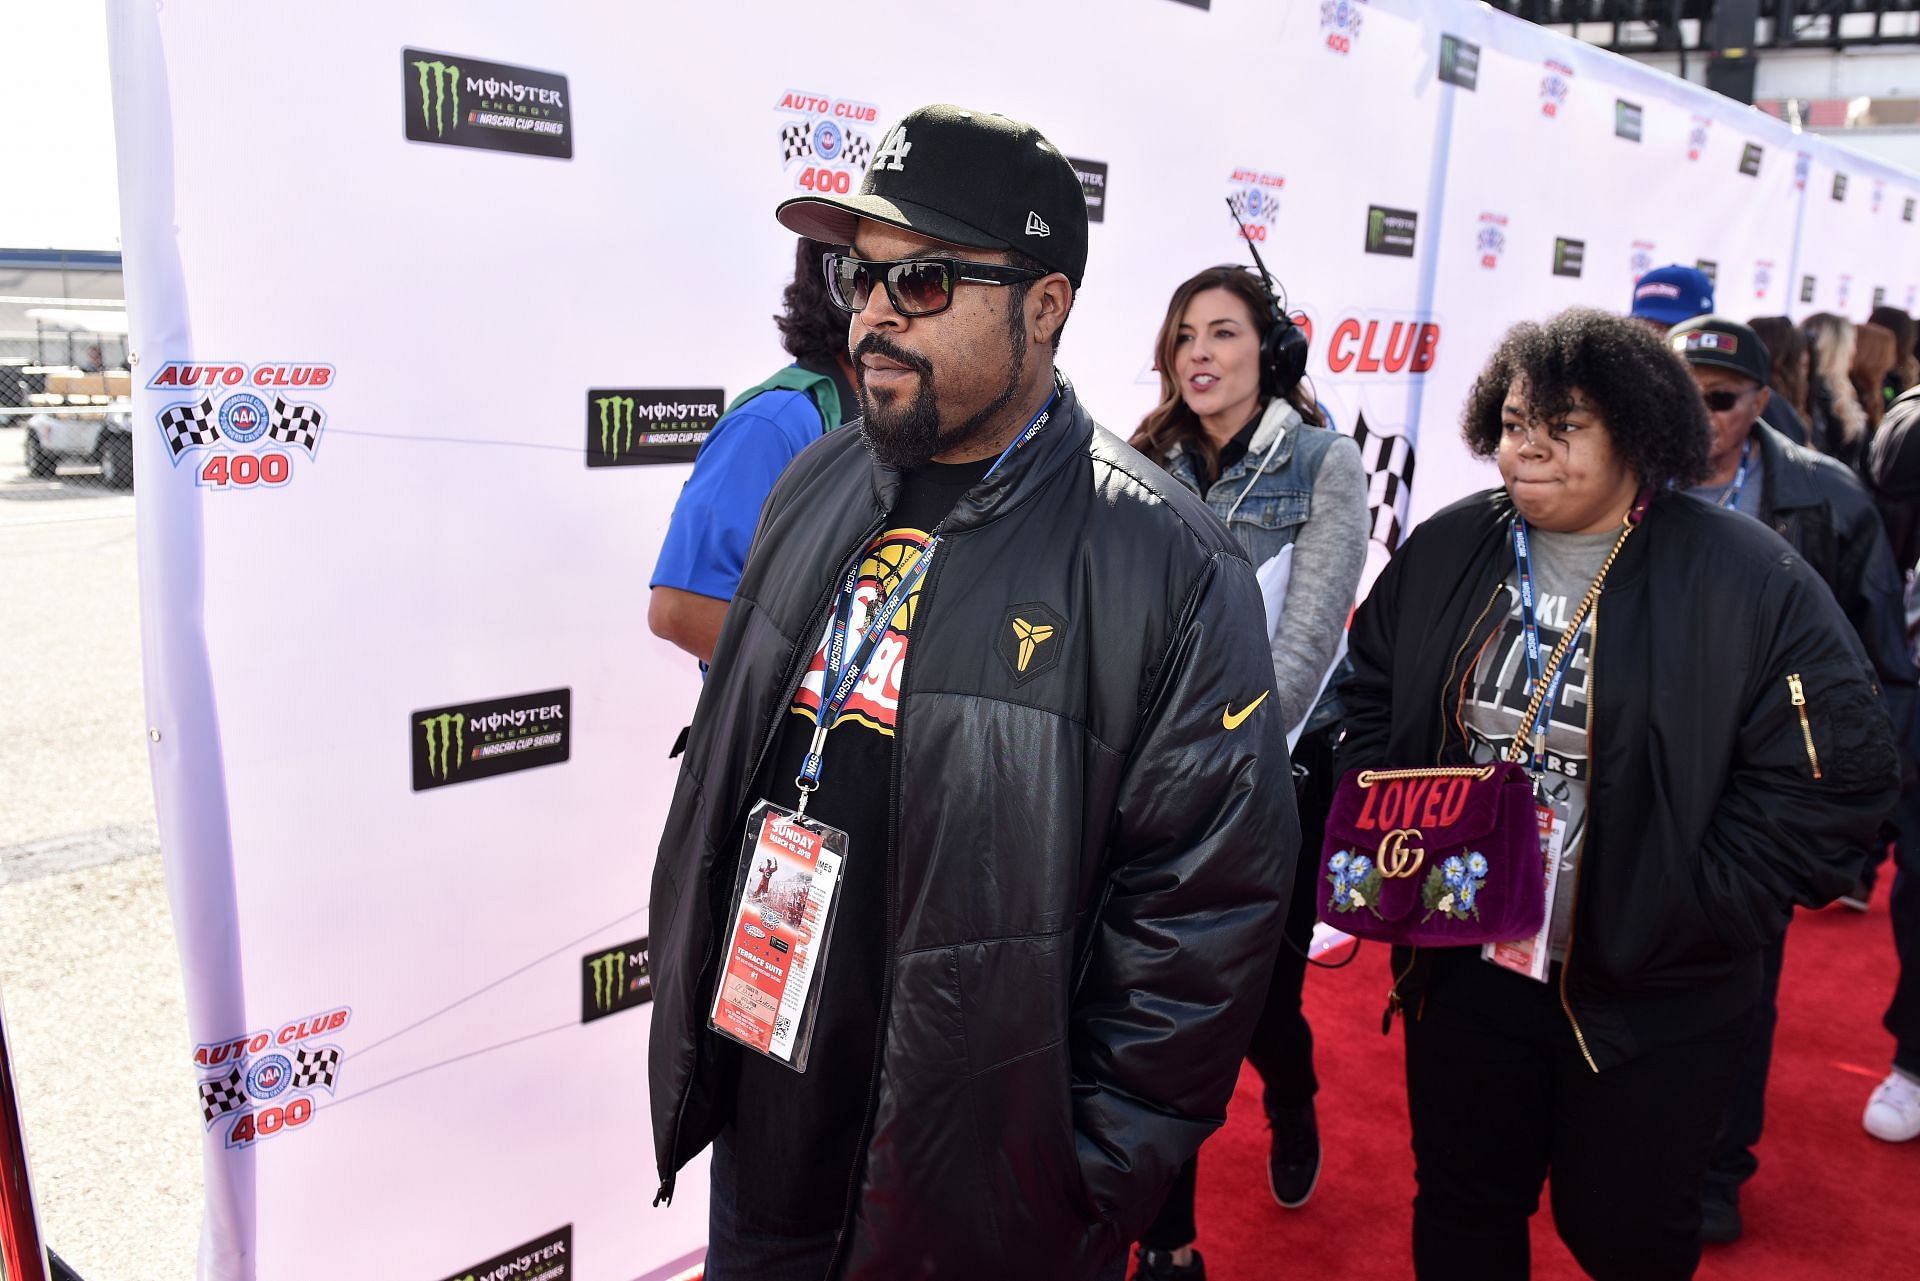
<point x="614" y="980"/>
<point x="438" y="80"/>
<point x="450" y="732"/>
<point x="609" y="979"/>
<point x="616" y="416"/>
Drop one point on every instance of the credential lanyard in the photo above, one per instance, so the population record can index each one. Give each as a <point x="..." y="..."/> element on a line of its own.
<point x="1732" y="497"/>
<point x="1535" y="734"/>
<point x="844" y="671"/>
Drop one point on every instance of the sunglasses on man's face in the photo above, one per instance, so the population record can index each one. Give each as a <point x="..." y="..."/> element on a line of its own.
<point x="1721" y="401"/>
<point x="915" y="286"/>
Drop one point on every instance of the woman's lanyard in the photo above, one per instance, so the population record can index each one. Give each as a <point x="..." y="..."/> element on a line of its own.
<point x="1732" y="497"/>
<point x="1533" y="734"/>
<point x="1533" y="721"/>
<point x="844" y="671"/>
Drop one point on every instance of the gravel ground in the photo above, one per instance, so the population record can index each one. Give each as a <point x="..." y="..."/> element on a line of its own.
<point x="90" y="973"/>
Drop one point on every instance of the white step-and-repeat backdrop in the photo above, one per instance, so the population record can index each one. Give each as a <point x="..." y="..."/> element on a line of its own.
<point x="431" y="302"/>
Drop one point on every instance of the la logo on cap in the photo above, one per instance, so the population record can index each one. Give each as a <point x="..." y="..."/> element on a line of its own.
<point x="1036" y="226"/>
<point x="893" y="151"/>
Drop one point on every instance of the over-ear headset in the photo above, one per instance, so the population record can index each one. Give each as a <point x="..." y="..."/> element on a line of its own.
<point x="1283" y="347"/>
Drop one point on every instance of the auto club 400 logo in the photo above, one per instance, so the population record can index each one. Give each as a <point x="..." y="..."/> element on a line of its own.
<point x="1697" y="137"/>
<point x="264" y="1083"/>
<point x="254" y="420"/>
<point x="1555" y="78"/>
<point x="1491" y="241"/>
<point x="1256" y="200"/>
<point x="826" y="143"/>
<point x="1641" y="261"/>
<point x="1340" y="23"/>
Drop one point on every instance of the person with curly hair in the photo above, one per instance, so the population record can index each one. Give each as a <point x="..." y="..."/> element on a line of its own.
<point x="763" y="429"/>
<point x="1727" y="760"/>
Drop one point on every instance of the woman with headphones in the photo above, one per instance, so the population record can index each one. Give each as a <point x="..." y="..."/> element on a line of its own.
<point x="1234" y="426"/>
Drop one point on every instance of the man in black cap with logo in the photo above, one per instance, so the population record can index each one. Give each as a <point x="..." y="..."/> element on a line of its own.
<point x="1003" y="688"/>
<point x="1820" y="507"/>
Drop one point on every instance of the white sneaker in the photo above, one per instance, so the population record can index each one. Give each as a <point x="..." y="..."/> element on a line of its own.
<point x="1893" y="1113"/>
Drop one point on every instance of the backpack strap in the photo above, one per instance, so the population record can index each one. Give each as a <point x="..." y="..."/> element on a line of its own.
<point x="826" y="396"/>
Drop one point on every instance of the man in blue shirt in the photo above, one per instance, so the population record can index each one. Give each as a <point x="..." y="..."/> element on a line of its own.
<point x="714" y="520"/>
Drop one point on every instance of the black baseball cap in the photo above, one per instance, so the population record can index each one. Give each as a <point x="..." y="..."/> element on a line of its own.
<point x="969" y="178"/>
<point x="1728" y="344"/>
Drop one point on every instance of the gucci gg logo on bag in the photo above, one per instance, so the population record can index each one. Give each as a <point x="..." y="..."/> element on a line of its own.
<point x="1396" y="857"/>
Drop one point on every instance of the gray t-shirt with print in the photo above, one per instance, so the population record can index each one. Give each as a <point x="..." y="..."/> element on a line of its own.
<point x="1564" y="566"/>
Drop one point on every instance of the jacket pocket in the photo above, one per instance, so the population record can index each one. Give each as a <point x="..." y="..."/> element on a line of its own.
<point x="1845" y="737"/>
<point x="1276" y="510"/>
<point x="1797" y="695"/>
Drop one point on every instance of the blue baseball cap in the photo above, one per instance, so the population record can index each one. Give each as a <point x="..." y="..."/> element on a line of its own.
<point x="1669" y="295"/>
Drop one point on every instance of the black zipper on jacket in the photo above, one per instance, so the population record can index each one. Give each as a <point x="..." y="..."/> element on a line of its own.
<point x="796" y="671"/>
<point x="921" y="599"/>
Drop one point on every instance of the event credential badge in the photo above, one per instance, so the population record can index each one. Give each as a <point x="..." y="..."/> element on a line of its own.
<point x="1529" y="956"/>
<point x="784" y="902"/>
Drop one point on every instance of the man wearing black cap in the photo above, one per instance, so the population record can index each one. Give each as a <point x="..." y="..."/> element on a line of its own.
<point x="1821" y="508"/>
<point x="1019" y="680"/>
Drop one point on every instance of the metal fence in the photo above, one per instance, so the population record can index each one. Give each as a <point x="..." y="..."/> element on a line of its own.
<point x="65" y="382"/>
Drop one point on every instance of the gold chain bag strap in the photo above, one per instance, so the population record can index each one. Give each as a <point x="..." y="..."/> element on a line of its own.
<point x="1444" y="855"/>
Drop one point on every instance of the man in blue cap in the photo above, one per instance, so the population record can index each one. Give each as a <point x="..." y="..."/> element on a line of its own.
<point x="1668" y="295"/>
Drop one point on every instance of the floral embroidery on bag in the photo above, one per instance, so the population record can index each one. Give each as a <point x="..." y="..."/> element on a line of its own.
<point x="1355" y="881"/>
<point x="1453" y="888"/>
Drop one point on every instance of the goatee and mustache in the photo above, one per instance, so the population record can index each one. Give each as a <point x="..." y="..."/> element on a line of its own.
<point x="909" y="435"/>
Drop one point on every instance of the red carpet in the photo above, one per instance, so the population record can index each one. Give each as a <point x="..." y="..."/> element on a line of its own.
<point x="1828" y="1202"/>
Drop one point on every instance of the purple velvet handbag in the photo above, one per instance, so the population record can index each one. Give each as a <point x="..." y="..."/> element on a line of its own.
<point x="1447" y="856"/>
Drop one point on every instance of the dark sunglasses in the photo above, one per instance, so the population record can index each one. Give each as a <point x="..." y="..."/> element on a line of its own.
<point x="1721" y="401"/>
<point x="915" y="286"/>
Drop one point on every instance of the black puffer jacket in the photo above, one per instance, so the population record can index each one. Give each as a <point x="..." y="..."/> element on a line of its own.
<point x="1714" y="807"/>
<point x="1089" y="870"/>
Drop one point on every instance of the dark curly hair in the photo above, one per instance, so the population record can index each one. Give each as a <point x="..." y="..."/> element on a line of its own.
<point x="811" y="327"/>
<point x="1643" y="391"/>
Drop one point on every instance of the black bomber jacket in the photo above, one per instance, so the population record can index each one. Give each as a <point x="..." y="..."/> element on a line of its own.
<point x="1742" y="760"/>
<point x="1089" y="869"/>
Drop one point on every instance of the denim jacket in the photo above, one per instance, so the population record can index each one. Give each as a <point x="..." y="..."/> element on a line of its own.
<point x="1267" y="496"/>
<point x="1267" y="499"/>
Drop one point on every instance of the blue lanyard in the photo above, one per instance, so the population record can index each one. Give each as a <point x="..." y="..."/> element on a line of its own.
<point x="1732" y="497"/>
<point x="843" y="671"/>
<point x="1530" y="629"/>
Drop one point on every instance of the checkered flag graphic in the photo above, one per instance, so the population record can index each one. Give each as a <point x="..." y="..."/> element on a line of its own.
<point x="859" y="150"/>
<point x="221" y="1095"/>
<point x="315" y="1067"/>
<point x="295" y="424"/>
<point x="1389" y="462"/>
<point x="189" y="425"/>
<point x="796" y="142"/>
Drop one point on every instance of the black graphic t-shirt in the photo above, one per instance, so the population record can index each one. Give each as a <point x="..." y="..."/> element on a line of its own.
<point x="797" y="1135"/>
<point x="1564" y="566"/>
